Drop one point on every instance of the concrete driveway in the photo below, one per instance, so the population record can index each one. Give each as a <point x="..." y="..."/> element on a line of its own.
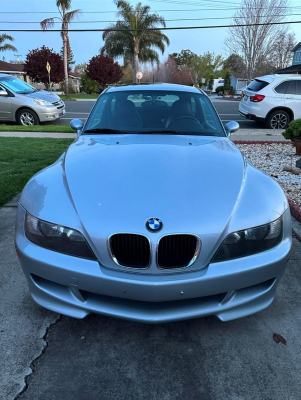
<point x="45" y="356"/>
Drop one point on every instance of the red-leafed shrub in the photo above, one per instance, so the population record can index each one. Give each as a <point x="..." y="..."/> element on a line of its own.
<point x="104" y="70"/>
<point x="35" y="66"/>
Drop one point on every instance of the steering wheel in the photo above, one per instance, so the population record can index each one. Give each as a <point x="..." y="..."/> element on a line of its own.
<point x="183" y="119"/>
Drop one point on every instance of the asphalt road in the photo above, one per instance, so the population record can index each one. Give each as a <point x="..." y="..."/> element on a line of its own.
<point x="227" y="109"/>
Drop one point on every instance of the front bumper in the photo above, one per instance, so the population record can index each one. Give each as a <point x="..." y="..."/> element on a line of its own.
<point x="50" y="113"/>
<point x="77" y="287"/>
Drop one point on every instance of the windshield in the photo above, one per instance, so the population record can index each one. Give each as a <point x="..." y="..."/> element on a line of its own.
<point x="257" y="85"/>
<point x="17" y="85"/>
<point x="152" y="112"/>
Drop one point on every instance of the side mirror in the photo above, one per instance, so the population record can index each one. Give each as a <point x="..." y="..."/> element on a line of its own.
<point x="3" y="93"/>
<point x="231" y="127"/>
<point x="77" y="125"/>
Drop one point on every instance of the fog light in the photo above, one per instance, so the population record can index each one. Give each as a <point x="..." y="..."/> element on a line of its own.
<point x="50" y="116"/>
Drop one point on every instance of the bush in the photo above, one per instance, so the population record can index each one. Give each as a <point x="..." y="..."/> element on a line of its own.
<point x="219" y="89"/>
<point x="293" y="131"/>
<point x="62" y="88"/>
<point x="88" y="85"/>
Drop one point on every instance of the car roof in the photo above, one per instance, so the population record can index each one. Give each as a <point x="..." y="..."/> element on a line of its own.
<point x="271" y="78"/>
<point x="156" y="86"/>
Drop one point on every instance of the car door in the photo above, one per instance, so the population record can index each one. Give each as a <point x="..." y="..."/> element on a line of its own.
<point x="5" y="106"/>
<point x="292" y="99"/>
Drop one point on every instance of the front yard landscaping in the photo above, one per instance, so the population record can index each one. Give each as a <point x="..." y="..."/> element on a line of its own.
<point x="37" y="128"/>
<point x="20" y="158"/>
<point x="271" y="159"/>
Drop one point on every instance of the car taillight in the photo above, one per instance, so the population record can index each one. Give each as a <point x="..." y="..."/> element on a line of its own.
<point x="257" y="98"/>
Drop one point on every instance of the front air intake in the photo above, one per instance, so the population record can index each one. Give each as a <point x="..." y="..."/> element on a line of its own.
<point x="130" y="250"/>
<point x="177" y="251"/>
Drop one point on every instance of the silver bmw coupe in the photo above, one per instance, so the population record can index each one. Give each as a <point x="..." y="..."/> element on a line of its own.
<point x="153" y="215"/>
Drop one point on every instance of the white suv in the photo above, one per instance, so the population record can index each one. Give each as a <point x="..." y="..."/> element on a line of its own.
<point x="272" y="99"/>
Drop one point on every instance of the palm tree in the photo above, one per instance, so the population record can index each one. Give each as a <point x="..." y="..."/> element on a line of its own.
<point x="131" y="38"/>
<point x="66" y="17"/>
<point x="6" y="46"/>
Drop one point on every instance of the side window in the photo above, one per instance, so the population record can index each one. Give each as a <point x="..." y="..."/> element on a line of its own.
<point x="298" y="87"/>
<point x="282" y="88"/>
<point x="292" y="88"/>
<point x="3" y="88"/>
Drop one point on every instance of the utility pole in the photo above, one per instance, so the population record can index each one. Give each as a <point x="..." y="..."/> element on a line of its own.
<point x="18" y="55"/>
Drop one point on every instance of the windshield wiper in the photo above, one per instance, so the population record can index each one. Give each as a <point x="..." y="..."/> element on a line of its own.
<point x="159" y="132"/>
<point x="105" y="130"/>
<point x="170" y="132"/>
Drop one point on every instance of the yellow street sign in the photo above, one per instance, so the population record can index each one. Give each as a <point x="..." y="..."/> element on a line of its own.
<point x="48" y="67"/>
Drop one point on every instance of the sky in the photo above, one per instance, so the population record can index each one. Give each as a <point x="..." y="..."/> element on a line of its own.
<point x="27" y="14"/>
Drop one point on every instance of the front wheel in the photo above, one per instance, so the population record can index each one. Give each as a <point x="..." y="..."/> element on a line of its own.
<point x="27" y="117"/>
<point x="278" y="119"/>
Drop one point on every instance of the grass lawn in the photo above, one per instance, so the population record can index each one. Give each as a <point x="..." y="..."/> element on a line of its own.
<point x="36" y="128"/>
<point x="80" y="96"/>
<point x="20" y="158"/>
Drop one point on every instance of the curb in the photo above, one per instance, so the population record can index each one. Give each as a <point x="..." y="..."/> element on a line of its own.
<point x="260" y="142"/>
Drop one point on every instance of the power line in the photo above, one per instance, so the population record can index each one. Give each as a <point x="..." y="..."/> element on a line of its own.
<point x="166" y="20"/>
<point x="179" y="10"/>
<point x="152" y="29"/>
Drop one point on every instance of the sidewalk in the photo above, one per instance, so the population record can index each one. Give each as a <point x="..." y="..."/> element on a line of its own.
<point x="241" y="134"/>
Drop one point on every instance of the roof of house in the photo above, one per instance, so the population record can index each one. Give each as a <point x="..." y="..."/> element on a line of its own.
<point x="294" y="69"/>
<point x="239" y="75"/>
<point x="296" y="47"/>
<point x="8" y="67"/>
<point x="74" y="74"/>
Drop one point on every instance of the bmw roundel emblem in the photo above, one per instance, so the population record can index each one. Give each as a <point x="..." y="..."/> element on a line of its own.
<point x="154" y="225"/>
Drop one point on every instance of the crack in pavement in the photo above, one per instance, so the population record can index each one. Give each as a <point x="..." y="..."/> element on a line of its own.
<point x="32" y="364"/>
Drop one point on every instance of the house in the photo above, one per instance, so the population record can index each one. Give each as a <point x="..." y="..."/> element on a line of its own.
<point x="19" y="71"/>
<point x="238" y="80"/>
<point x="74" y="79"/>
<point x="295" y="68"/>
<point x="13" y="69"/>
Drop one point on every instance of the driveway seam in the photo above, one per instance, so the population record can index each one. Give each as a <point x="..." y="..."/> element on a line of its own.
<point x="32" y="364"/>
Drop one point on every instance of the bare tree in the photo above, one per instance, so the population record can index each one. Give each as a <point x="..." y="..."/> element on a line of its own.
<point x="282" y="56"/>
<point x="255" y="43"/>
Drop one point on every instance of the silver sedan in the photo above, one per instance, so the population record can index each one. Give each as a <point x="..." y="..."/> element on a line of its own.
<point x="153" y="215"/>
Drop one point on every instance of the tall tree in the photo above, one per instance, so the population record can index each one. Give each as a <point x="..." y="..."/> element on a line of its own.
<point x="256" y="42"/>
<point x="80" y="68"/>
<point x="70" y="55"/>
<point x="235" y="63"/>
<point x="6" y="46"/>
<point x="281" y="55"/>
<point x="131" y="38"/>
<point x="65" y="18"/>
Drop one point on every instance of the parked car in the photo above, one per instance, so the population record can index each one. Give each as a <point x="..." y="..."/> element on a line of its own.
<point x="241" y="91"/>
<point x="26" y="105"/>
<point x="153" y="215"/>
<point x="274" y="100"/>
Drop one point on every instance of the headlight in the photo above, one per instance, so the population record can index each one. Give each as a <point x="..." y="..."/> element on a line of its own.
<point x="57" y="238"/>
<point x="41" y="102"/>
<point x="250" y="241"/>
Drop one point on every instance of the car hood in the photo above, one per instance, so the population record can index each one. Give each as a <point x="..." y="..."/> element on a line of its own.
<point x="44" y="95"/>
<point x="118" y="182"/>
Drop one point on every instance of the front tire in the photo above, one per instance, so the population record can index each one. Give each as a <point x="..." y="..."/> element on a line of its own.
<point x="278" y="119"/>
<point x="27" y="117"/>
